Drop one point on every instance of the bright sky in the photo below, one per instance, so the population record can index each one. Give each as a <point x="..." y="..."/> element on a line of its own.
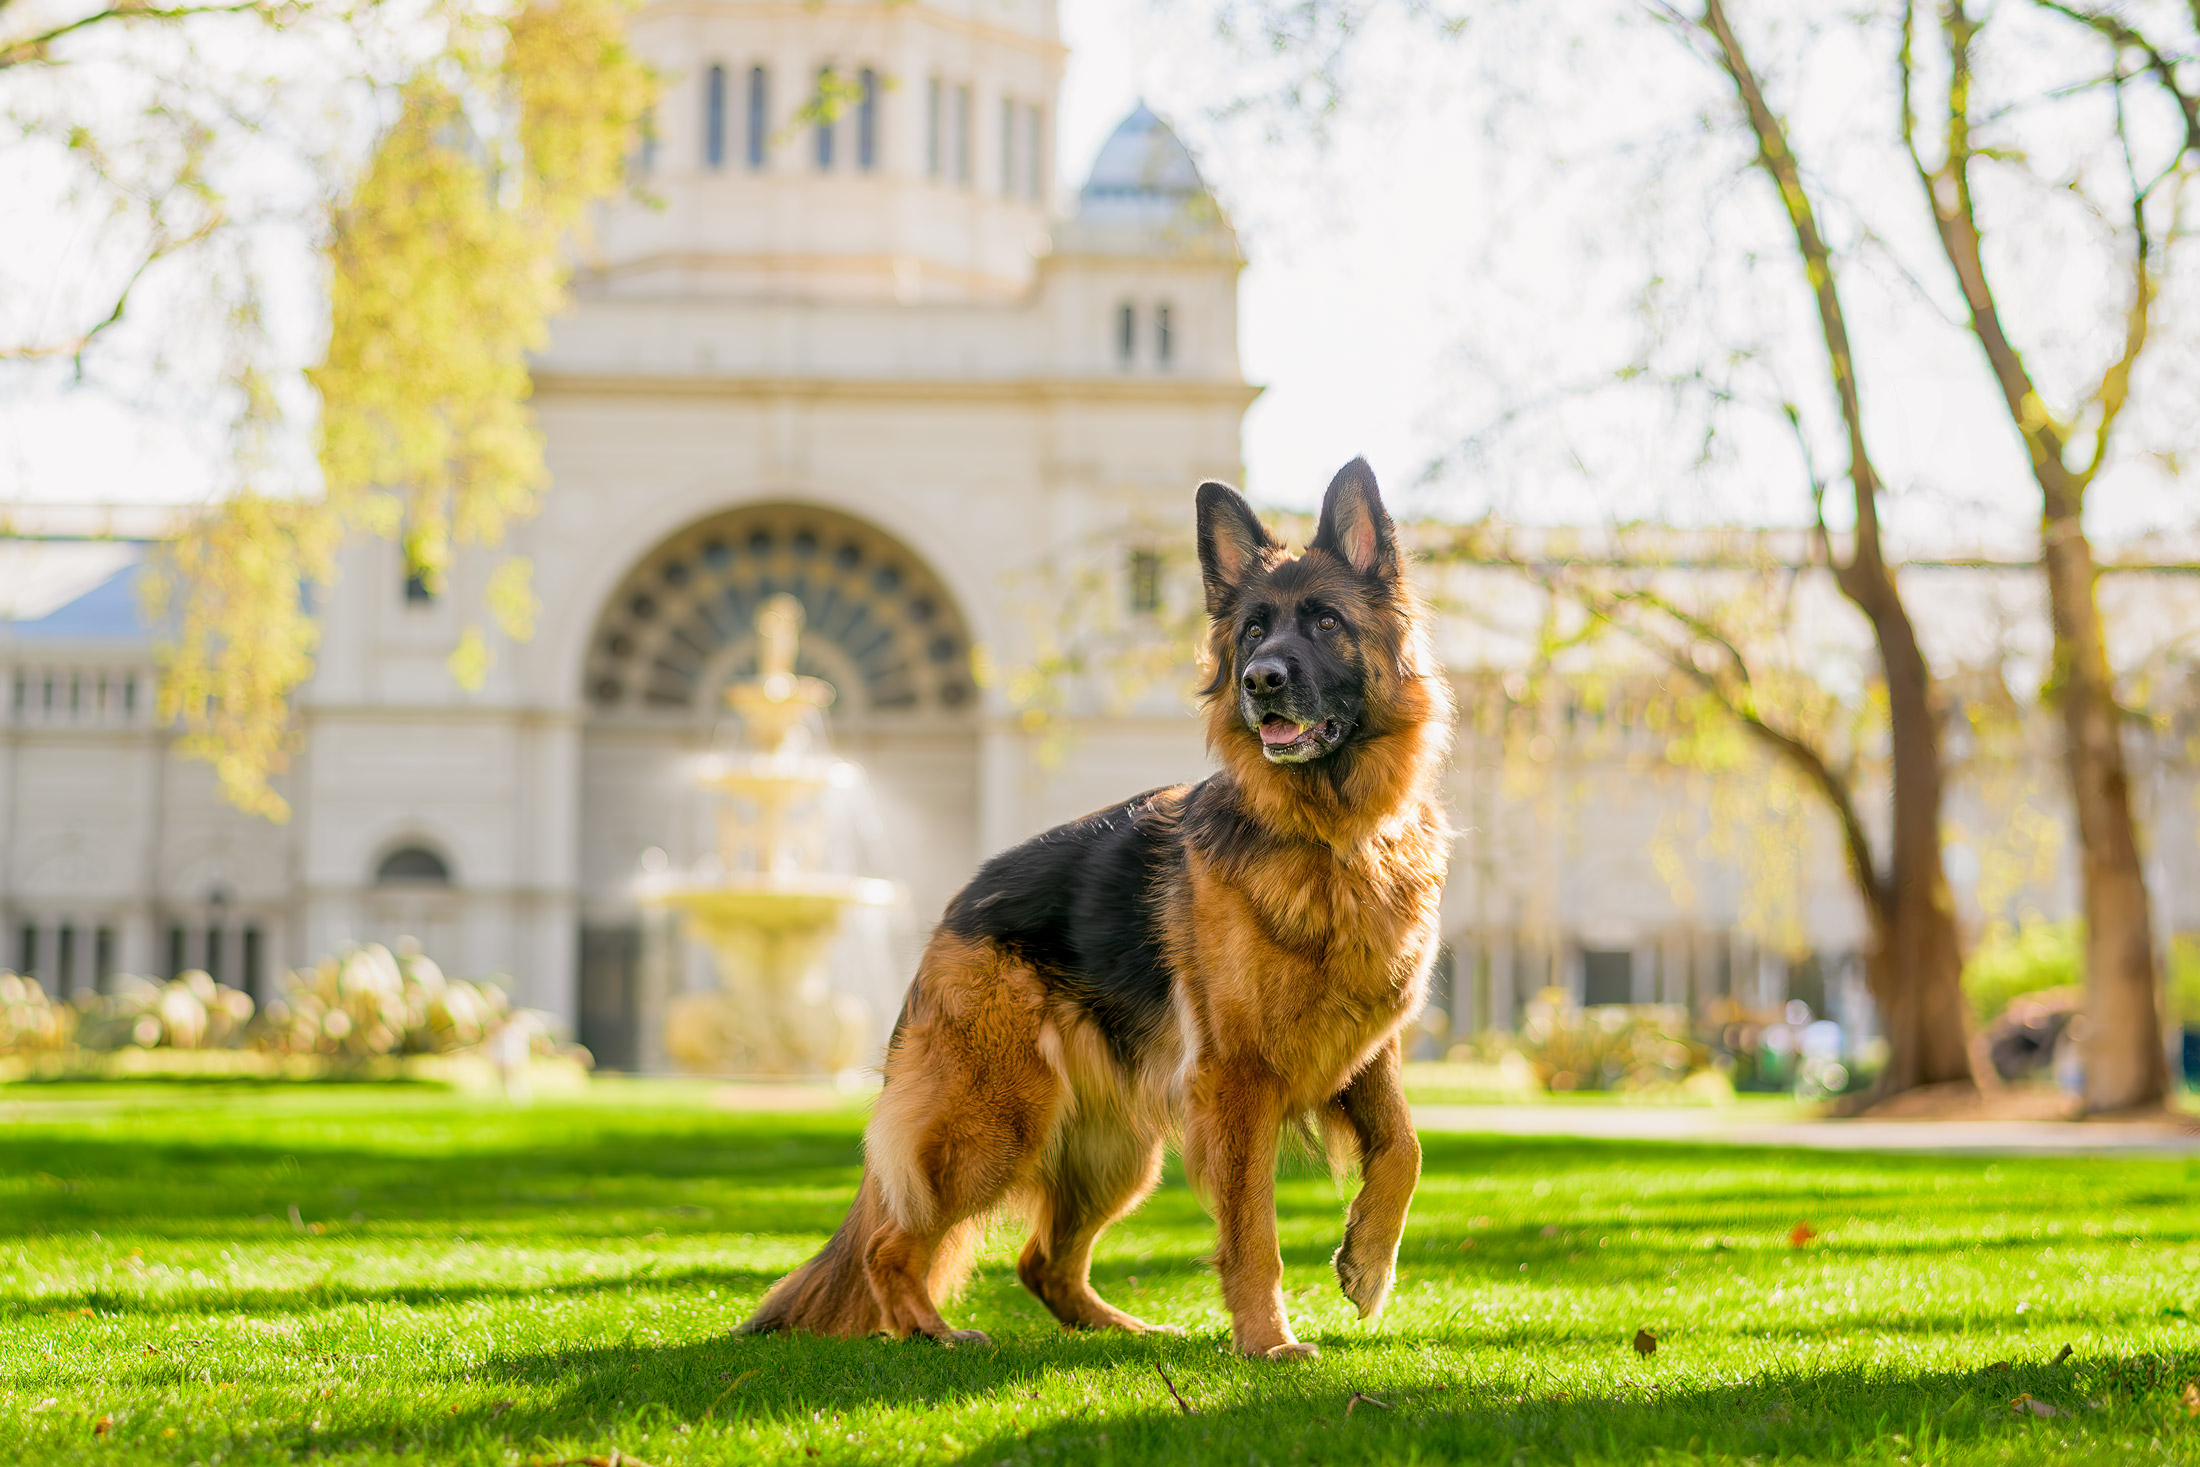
<point x="1473" y="240"/>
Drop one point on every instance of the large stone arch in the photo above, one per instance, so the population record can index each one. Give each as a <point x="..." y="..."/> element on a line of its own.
<point x="881" y="625"/>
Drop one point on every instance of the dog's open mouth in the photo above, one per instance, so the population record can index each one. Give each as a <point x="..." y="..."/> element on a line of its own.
<point x="1288" y="741"/>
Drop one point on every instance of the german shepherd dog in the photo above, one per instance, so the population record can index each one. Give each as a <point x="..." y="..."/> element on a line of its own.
<point x="1219" y="960"/>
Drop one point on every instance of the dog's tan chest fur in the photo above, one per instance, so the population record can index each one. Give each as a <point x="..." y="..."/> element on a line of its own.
<point x="1308" y="968"/>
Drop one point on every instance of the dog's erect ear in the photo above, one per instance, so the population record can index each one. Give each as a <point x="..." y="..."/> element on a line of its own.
<point x="1231" y="539"/>
<point x="1355" y="527"/>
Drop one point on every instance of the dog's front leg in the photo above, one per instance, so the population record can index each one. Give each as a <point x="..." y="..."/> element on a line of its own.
<point x="1230" y="1148"/>
<point x="1373" y="1108"/>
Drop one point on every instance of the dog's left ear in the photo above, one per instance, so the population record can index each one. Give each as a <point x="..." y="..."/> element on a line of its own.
<point x="1355" y="527"/>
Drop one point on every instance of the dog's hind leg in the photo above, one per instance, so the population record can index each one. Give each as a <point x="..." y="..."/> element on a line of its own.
<point x="1100" y="1167"/>
<point x="964" y="1118"/>
<point x="1370" y="1115"/>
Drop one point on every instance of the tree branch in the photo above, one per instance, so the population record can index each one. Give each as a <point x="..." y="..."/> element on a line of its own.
<point x="2123" y="34"/>
<point x="1864" y="578"/>
<point x="30" y="49"/>
<point x="1831" y="783"/>
<point x="1948" y="190"/>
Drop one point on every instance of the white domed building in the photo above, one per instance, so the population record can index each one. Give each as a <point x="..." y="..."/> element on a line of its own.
<point x="865" y="361"/>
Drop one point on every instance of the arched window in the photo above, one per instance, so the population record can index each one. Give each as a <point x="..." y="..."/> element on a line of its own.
<point x="1164" y="339"/>
<point x="1126" y="333"/>
<point x="759" y="114"/>
<point x="825" y="80"/>
<point x="867" y="121"/>
<point x="412" y="866"/>
<point x="714" y="118"/>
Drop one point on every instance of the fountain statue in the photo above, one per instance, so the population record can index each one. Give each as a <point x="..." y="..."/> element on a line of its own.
<point x="764" y="903"/>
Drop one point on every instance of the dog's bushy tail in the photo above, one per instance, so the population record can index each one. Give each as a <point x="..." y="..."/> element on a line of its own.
<point x="831" y="1294"/>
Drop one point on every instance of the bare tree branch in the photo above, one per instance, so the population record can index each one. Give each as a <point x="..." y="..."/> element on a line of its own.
<point x="32" y="49"/>
<point x="1741" y="704"/>
<point x="2124" y="34"/>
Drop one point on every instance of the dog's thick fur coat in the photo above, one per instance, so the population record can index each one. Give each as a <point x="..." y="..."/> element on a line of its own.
<point x="1211" y="960"/>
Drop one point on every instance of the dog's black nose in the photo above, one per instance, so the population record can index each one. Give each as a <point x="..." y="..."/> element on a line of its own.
<point x="1268" y="675"/>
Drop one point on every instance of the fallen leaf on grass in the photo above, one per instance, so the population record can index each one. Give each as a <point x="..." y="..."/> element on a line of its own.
<point x="2023" y="1404"/>
<point x="1550" y="1230"/>
<point x="1646" y="1343"/>
<point x="499" y="1409"/>
<point x="2000" y="1365"/>
<point x="2190" y="1400"/>
<point x="2061" y="1355"/>
<point x="1465" y="1244"/>
<point x="1801" y="1235"/>
<point x="1357" y="1398"/>
<point x="103" y="1425"/>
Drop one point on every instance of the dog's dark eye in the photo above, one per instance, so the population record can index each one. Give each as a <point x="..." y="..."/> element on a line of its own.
<point x="1327" y="623"/>
<point x="1255" y="632"/>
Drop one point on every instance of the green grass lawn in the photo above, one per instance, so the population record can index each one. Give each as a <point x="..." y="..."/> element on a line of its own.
<point x="362" y="1274"/>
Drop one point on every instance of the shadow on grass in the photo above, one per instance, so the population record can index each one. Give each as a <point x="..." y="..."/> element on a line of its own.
<point x="810" y="1388"/>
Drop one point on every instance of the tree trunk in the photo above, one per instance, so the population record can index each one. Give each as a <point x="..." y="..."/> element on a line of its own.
<point x="1916" y="974"/>
<point x="2125" y="1066"/>
<point x="1916" y="968"/>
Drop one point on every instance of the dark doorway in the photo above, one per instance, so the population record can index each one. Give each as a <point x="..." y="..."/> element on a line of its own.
<point x="1607" y="977"/>
<point x="611" y="960"/>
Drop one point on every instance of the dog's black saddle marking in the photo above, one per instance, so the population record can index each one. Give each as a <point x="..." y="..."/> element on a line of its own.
<point x="1079" y="904"/>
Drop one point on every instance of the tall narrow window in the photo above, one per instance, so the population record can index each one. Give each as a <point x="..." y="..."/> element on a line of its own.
<point x="214" y="952"/>
<point x="1126" y="333"/>
<point x="26" y="950"/>
<point x="645" y="154"/>
<point x="825" y="80"/>
<point x="1145" y="582"/>
<point x="759" y="115"/>
<point x="176" y="962"/>
<point x="962" y="134"/>
<point x="1008" y="149"/>
<point x="867" y="120"/>
<point x="103" y="957"/>
<point x="64" y="961"/>
<point x="1164" y="339"/>
<point x="1035" y="171"/>
<point x="934" y="154"/>
<point x="253" y="975"/>
<point x="714" y="118"/>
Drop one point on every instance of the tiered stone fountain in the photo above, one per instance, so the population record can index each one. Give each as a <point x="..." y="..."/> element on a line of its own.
<point x="764" y="903"/>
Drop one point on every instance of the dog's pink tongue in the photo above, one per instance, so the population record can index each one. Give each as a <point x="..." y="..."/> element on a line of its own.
<point x="1280" y="731"/>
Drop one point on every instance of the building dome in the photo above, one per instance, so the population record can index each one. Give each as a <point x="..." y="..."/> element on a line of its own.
<point x="1142" y="160"/>
<point x="1145" y="197"/>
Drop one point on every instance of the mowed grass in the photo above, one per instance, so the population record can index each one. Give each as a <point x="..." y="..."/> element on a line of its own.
<point x="472" y="1283"/>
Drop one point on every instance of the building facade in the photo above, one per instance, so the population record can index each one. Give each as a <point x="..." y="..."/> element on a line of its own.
<point x="854" y="353"/>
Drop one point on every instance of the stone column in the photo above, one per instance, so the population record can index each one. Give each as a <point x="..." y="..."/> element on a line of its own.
<point x="656" y="979"/>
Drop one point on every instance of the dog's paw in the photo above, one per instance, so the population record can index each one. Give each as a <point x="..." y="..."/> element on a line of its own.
<point x="1366" y="1282"/>
<point x="1293" y="1350"/>
<point x="956" y="1337"/>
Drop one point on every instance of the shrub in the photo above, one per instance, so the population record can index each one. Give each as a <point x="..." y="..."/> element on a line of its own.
<point x="189" y="1011"/>
<point x="2035" y="956"/>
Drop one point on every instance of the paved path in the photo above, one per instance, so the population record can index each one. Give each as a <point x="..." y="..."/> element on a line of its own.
<point x="1713" y="1126"/>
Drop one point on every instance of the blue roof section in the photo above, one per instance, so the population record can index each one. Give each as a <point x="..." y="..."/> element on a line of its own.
<point x="111" y="610"/>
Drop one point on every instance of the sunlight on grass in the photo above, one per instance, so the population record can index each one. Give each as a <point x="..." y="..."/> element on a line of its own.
<point x="355" y="1274"/>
